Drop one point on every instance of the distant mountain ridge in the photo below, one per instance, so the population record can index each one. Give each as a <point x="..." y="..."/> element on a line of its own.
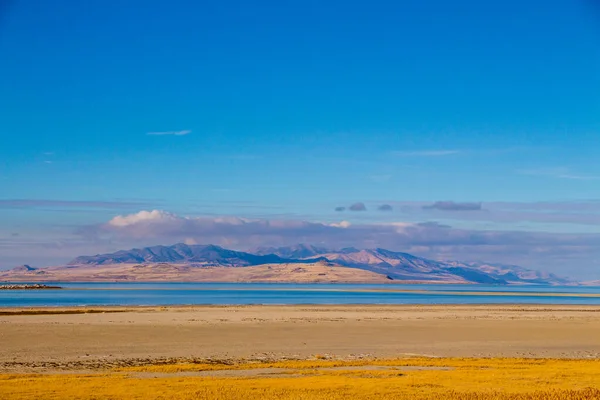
<point x="24" y="268"/>
<point x="297" y="251"/>
<point x="395" y="265"/>
<point x="404" y="266"/>
<point x="180" y="253"/>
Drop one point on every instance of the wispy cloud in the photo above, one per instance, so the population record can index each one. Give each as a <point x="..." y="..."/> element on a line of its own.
<point x="558" y="173"/>
<point x="425" y="153"/>
<point x="171" y="133"/>
<point x="579" y="177"/>
<point x="475" y="152"/>
<point x="453" y="206"/>
<point x="581" y="215"/>
<point x="48" y="154"/>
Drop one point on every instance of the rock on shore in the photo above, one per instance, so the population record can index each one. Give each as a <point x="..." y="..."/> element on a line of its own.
<point x="27" y="287"/>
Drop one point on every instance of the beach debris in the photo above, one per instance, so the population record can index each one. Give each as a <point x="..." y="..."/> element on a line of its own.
<point x="34" y="286"/>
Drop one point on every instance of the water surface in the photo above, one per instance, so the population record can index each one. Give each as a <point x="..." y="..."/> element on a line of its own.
<point x="155" y="294"/>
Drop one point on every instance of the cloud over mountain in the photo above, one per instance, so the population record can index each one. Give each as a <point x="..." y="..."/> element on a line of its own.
<point x="450" y="237"/>
<point x="549" y="251"/>
<point x="142" y="217"/>
<point x="162" y="224"/>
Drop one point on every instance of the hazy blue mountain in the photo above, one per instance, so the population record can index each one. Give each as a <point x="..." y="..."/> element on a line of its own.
<point x="404" y="266"/>
<point x="511" y="273"/>
<point x="180" y="253"/>
<point x="395" y="265"/>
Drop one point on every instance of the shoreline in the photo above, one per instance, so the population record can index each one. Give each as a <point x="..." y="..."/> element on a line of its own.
<point x="326" y="288"/>
<point x="433" y="307"/>
<point x="393" y="282"/>
<point x="95" y="309"/>
<point x="259" y="282"/>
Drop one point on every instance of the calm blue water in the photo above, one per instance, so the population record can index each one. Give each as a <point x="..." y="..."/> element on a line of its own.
<point x="95" y="294"/>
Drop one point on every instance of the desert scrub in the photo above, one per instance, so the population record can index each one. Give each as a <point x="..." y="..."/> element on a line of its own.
<point x="413" y="378"/>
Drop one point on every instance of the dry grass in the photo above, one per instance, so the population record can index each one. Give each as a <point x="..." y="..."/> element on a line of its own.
<point x="468" y="379"/>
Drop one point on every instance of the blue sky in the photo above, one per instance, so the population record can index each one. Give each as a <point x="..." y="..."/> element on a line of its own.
<point x="286" y="110"/>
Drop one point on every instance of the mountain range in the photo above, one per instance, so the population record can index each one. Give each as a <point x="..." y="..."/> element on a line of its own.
<point x="208" y="255"/>
<point x="396" y="266"/>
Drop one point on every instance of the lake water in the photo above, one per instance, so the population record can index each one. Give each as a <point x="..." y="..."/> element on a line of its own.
<point x="97" y="294"/>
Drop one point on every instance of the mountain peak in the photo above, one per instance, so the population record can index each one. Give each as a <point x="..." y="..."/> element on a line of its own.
<point x="23" y="268"/>
<point x="301" y="250"/>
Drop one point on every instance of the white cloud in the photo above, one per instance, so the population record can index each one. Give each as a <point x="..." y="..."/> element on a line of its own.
<point x="153" y="216"/>
<point x="168" y="227"/>
<point x="190" y="241"/>
<point x="559" y="173"/>
<point x="342" y="224"/>
<point x="172" y="133"/>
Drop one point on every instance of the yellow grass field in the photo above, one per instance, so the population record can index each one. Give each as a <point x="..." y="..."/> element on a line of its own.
<point x="407" y="378"/>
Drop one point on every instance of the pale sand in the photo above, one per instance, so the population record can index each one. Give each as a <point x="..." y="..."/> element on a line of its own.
<point x="274" y="332"/>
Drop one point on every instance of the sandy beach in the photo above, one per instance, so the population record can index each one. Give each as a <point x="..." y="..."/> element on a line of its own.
<point x="83" y="338"/>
